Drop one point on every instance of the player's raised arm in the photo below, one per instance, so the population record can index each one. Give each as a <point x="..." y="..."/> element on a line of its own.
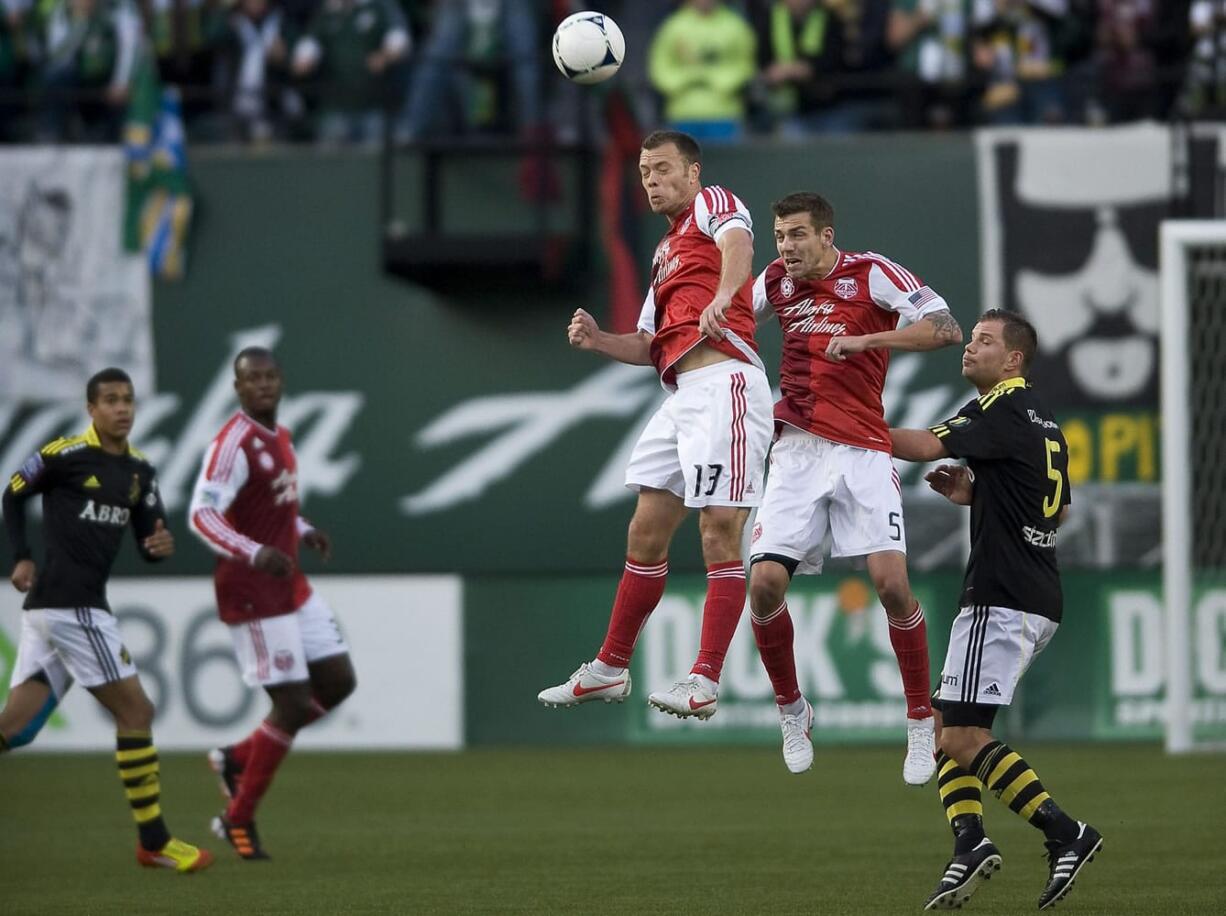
<point x="896" y="289"/>
<point x="736" y="263"/>
<point x="635" y="349"/>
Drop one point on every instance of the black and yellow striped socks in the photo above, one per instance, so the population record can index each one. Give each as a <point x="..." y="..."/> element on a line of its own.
<point x="137" y="759"/>
<point x="961" y="794"/>
<point x="1003" y="770"/>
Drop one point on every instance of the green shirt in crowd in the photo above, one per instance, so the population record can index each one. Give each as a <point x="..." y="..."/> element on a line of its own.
<point x="701" y="63"/>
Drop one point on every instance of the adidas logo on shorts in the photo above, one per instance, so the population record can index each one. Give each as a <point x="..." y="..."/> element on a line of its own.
<point x="991" y="690"/>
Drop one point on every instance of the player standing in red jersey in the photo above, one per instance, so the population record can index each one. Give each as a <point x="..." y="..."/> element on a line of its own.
<point x="705" y="447"/>
<point x="830" y="466"/>
<point x="245" y="508"/>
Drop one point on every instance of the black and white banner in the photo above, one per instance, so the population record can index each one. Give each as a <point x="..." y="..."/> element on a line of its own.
<point x="72" y="301"/>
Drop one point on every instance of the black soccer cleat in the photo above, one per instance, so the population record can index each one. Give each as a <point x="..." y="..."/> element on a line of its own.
<point x="222" y="762"/>
<point x="1066" y="862"/>
<point x="243" y="837"/>
<point x="963" y="875"/>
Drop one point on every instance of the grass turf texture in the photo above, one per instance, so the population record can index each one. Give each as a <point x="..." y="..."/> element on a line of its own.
<point x="591" y="831"/>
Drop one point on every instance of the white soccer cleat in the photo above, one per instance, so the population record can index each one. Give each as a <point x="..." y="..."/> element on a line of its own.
<point x="585" y="686"/>
<point x="685" y="699"/>
<point x="797" y="743"/>
<point x="920" y="762"/>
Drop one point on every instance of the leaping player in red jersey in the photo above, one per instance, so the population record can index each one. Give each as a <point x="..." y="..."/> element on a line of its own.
<point x="706" y="446"/>
<point x="245" y="508"/>
<point x="830" y="465"/>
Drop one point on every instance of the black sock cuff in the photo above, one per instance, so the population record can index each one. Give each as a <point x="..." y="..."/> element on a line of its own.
<point x="132" y="741"/>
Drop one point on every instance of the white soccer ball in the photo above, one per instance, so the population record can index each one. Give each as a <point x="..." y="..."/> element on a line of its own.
<point x="588" y="47"/>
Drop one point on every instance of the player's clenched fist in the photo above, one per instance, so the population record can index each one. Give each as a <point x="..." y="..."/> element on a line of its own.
<point x="712" y="315"/>
<point x="23" y="575"/>
<point x="272" y="561"/>
<point x="840" y="348"/>
<point x="582" y="330"/>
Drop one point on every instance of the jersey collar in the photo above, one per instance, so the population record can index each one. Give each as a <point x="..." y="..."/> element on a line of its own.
<point x="838" y="262"/>
<point x="1007" y="385"/>
<point x="91" y="438"/>
<point x="257" y="425"/>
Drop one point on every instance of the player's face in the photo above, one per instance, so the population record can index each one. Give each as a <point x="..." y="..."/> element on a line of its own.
<point x="669" y="180"/>
<point x="113" y="410"/>
<point x="986" y="359"/>
<point x="258" y="384"/>
<point x="801" y="244"/>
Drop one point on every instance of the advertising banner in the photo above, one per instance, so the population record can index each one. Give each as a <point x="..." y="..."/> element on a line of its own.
<point x="1101" y="678"/>
<point x="404" y="636"/>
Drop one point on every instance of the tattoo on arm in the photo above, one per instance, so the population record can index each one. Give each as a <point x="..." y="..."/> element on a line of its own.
<point x="945" y="328"/>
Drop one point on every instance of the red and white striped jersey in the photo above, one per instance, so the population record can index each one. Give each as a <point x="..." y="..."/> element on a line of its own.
<point x="245" y="498"/>
<point x="865" y="293"/>
<point x="684" y="279"/>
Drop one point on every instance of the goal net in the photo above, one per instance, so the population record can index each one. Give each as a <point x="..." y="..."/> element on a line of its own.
<point x="1193" y="278"/>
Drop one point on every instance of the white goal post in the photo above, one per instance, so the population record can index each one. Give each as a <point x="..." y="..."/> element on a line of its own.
<point x="1183" y="553"/>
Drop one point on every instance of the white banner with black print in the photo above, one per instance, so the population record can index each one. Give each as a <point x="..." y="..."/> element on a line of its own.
<point x="72" y="301"/>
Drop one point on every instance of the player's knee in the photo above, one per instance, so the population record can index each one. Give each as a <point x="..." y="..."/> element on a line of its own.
<point x="293" y="711"/>
<point x="721" y="539"/>
<point x="337" y="690"/>
<point x="894" y="591"/>
<point x="646" y="542"/>
<point x="766" y="591"/>
<point x="959" y="744"/>
<point x="136" y="714"/>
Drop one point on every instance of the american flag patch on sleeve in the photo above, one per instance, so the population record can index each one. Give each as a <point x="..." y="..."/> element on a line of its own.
<point x="922" y="296"/>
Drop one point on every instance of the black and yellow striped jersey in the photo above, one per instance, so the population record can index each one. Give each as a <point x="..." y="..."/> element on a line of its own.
<point x="1019" y="458"/>
<point x="90" y="497"/>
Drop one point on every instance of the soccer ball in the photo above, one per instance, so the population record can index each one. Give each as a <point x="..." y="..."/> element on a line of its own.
<point x="588" y="47"/>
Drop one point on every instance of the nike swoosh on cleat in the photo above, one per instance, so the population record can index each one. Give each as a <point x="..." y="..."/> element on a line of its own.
<point x="694" y="705"/>
<point x="580" y="690"/>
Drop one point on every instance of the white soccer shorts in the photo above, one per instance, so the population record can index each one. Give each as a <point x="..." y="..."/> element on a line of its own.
<point x="71" y="643"/>
<point x="277" y="650"/>
<point x="816" y="487"/>
<point x="707" y="443"/>
<point x="990" y="649"/>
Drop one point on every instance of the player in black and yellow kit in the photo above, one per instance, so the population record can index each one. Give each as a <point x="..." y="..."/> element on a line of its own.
<point x="93" y="487"/>
<point x="1016" y="483"/>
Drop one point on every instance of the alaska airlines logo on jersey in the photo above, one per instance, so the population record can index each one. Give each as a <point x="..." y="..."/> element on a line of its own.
<point x="285" y="487"/>
<point x="104" y="514"/>
<point x="845" y="287"/>
<point x="662" y="266"/>
<point x="802" y="318"/>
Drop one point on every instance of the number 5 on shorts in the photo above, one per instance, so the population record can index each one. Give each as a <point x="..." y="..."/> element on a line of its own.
<point x="895" y="527"/>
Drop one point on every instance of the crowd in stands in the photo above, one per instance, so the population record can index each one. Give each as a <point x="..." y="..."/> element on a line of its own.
<point x="338" y="71"/>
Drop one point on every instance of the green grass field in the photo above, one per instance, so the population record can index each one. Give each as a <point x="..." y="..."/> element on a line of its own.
<point x="592" y="831"/>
